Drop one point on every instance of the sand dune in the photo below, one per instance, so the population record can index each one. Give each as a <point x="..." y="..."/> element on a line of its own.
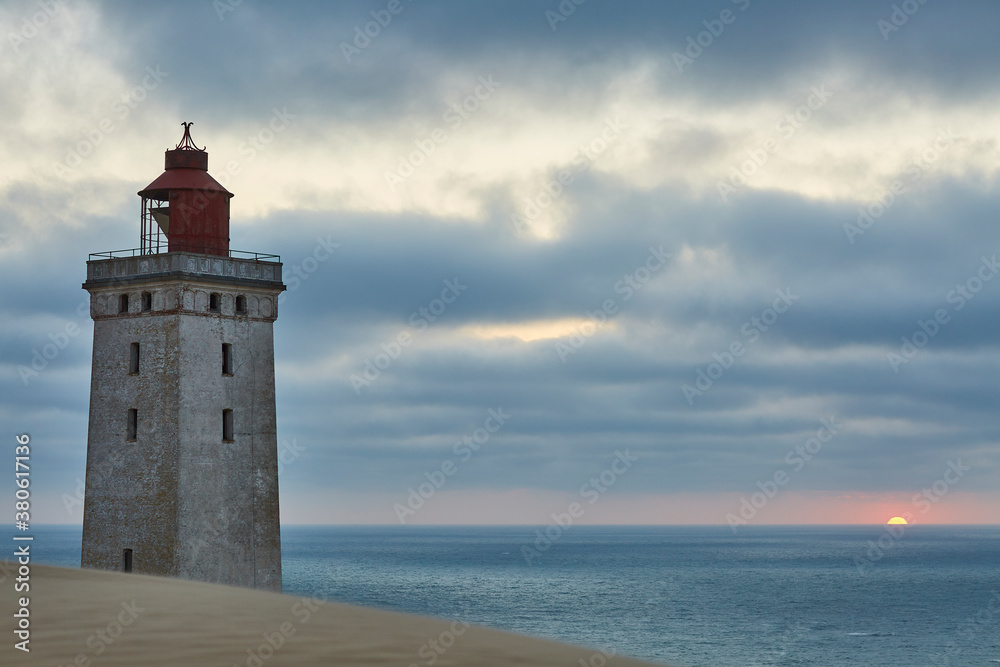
<point x="85" y="617"/>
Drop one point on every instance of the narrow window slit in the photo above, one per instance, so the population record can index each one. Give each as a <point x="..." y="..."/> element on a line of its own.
<point x="133" y="423"/>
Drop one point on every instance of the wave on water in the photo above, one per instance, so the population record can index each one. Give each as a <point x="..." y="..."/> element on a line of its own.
<point x="871" y="634"/>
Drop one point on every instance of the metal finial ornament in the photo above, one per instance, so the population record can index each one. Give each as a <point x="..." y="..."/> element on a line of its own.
<point x="186" y="142"/>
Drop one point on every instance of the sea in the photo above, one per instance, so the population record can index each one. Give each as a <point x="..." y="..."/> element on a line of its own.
<point x="690" y="596"/>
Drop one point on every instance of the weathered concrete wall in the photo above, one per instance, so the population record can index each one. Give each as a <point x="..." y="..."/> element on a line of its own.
<point x="182" y="263"/>
<point x="228" y="507"/>
<point x="131" y="487"/>
<point x="187" y="502"/>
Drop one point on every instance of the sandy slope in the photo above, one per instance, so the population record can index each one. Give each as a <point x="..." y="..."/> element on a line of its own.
<point x="85" y="617"/>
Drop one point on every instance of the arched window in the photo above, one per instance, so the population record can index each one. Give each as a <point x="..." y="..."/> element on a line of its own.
<point x="123" y="304"/>
<point x="241" y="304"/>
<point x="213" y="302"/>
<point x="147" y="302"/>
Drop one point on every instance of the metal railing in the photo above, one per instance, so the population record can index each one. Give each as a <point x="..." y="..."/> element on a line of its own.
<point x="139" y="252"/>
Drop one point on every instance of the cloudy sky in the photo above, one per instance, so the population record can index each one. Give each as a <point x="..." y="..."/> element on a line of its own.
<point x="685" y="252"/>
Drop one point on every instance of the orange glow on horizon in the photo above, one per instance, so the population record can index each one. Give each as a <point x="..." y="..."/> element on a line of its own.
<point x="896" y="520"/>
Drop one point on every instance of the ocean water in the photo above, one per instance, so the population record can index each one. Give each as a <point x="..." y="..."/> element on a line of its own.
<point x="690" y="596"/>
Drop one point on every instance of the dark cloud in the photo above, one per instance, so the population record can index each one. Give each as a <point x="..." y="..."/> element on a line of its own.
<point x="263" y="54"/>
<point x="827" y="356"/>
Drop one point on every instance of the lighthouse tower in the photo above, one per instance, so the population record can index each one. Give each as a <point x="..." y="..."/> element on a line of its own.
<point x="182" y="466"/>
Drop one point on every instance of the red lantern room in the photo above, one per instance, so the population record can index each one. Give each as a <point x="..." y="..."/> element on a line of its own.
<point x="185" y="209"/>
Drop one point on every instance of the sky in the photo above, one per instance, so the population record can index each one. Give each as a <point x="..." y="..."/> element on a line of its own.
<point x="723" y="262"/>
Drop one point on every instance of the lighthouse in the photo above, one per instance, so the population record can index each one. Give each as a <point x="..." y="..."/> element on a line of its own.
<point x="182" y="460"/>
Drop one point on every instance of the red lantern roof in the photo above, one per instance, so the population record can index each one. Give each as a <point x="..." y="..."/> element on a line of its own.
<point x="182" y="179"/>
<point x="186" y="169"/>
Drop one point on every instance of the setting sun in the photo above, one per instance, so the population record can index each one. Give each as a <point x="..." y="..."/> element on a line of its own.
<point x="896" y="520"/>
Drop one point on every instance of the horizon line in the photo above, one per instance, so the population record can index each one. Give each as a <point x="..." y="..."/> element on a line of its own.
<point x="581" y="525"/>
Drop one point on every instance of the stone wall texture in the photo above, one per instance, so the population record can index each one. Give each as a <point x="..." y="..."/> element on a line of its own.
<point x="186" y="501"/>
